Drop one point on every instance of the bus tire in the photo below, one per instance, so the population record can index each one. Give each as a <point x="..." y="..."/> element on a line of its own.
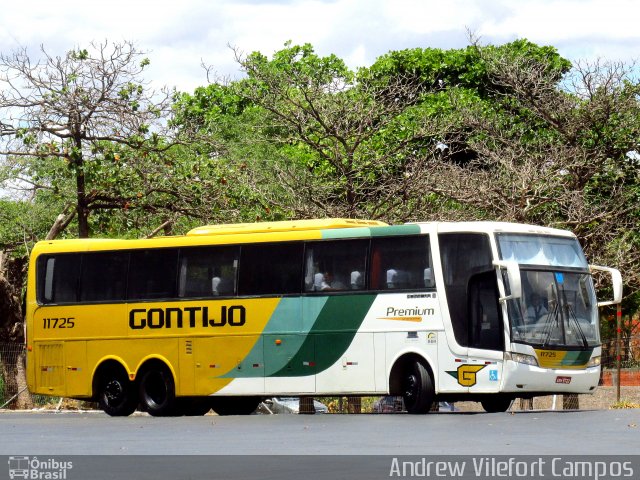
<point x="235" y="405"/>
<point x="116" y="394"/>
<point x="158" y="392"/>
<point x="496" y="403"/>
<point x="417" y="388"/>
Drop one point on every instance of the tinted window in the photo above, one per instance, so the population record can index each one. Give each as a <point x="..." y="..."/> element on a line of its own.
<point x="152" y="274"/>
<point x="206" y="272"/>
<point x="104" y="276"/>
<point x="271" y="269"/>
<point x="58" y="278"/>
<point x="399" y="263"/>
<point x="471" y="288"/>
<point x="485" y="325"/>
<point x="335" y="265"/>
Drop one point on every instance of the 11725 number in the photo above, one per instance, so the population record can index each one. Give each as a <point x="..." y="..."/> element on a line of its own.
<point x="59" y="322"/>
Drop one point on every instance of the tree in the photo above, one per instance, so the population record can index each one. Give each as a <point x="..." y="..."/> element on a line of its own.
<point x="68" y="116"/>
<point x="329" y="122"/>
<point x="550" y="150"/>
<point x="66" y="124"/>
<point x="344" y="142"/>
<point x="237" y="137"/>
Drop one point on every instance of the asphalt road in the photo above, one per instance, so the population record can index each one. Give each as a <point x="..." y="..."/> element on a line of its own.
<point x="613" y="432"/>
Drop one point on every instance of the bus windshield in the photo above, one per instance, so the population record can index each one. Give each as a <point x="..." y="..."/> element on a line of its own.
<point x="558" y="303"/>
<point x="542" y="250"/>
<point x="557" y="309"/>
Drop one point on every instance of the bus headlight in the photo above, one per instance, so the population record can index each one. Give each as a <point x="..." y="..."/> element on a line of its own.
<point x="521" y="358"/>
<point x="594" y="362"/>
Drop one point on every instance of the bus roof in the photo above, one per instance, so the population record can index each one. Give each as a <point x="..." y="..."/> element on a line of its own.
<point x="496" y="227"/>
<point x="317" y="229"/>
<point x="283" y="226"/>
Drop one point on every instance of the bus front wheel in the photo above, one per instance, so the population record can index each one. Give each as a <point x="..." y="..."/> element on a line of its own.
<point x="157" y="392"/>
<point x="116" y="395"/>
<point x="417" y="388"/>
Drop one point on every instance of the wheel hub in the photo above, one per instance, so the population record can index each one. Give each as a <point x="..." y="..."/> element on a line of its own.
<point x="113" y="390"/>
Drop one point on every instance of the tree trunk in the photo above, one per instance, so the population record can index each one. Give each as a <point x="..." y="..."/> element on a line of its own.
<point x="12" y="332"/>
<point x="82" y="204"/>
<point x="82" y="207"/>
<point x="61" y="222"/>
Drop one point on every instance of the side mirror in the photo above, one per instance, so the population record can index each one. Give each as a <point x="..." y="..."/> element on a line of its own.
<point x="513" y="274"/>
<point x="616" y="282"/>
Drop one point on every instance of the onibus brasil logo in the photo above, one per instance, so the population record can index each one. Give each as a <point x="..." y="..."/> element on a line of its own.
<point x="33" y="468"/>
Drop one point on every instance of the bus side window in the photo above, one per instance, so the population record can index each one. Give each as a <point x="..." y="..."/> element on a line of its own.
<point x="208" y="271"/>
<point x="58" y="278"/>
<point x="270" y="269"/>
<point x="335" y="265"/>
<point x="103" y="276"/>
<point x="401" y="263"/>
<point x="152" y="274"/>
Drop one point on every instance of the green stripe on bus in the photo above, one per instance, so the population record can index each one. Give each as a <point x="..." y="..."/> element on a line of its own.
<point x="395" y="230"/>
<point x="576" y="358"/>
<point x="282" y="337"/>
<point x="346" y="233"/>
<point x="330" y="336"/>
<point x="371" y="231"/>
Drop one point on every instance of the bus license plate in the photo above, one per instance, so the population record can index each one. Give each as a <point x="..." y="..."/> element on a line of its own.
<point x="565" y="380"/>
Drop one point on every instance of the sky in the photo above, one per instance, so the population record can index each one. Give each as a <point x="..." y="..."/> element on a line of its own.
<point x="181" y="35"/>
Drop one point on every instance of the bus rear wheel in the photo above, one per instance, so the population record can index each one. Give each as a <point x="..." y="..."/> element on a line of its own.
<point x="417" y="388"/>
<point x="235" y="405"/>
<point x="116" y="395"/>
<point x="496" y="403"/>
<point x="157" y="392"/>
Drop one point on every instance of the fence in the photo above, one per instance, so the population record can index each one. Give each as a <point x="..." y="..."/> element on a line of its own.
<point x="13" y="389"/>
<point x="14" y="394"/>
<point x="629" y="362"/>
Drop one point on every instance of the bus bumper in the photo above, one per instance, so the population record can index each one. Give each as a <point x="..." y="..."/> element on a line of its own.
<point x="522" y="378"/>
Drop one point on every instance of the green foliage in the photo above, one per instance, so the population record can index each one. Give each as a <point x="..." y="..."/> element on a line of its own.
<point x="299" y="66"/>
<point x="206" y="106"/>
<point x="100" y="97"/>
<point x="625" y="404"/>
<point x="22" y="223"/>
<point x="434" y="69"/>
<point x="466" y="68"/>
<point x="79" y="55"/>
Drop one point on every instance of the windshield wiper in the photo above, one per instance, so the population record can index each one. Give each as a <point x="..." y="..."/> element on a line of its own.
<point x="574" y="317"/>
<point x="552" y="321"/>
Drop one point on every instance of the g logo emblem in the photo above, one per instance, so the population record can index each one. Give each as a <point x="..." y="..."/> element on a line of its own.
<point x="466" y="374"/>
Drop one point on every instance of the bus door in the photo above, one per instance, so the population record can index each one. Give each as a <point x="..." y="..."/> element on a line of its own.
<point x="486" y="333"/>
<point x="474" y="364"/>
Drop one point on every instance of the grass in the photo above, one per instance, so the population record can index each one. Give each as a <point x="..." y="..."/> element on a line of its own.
<point x="624" y="404"/>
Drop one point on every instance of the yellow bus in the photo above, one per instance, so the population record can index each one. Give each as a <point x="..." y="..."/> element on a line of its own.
<point x="227" y="315"/>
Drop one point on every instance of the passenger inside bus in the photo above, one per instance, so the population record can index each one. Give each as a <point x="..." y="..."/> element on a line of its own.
<point x="326" y="281"/>
<point x="537" y="309"/>
<point x="397" y="278"/>
<point x="357" y="282"/>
